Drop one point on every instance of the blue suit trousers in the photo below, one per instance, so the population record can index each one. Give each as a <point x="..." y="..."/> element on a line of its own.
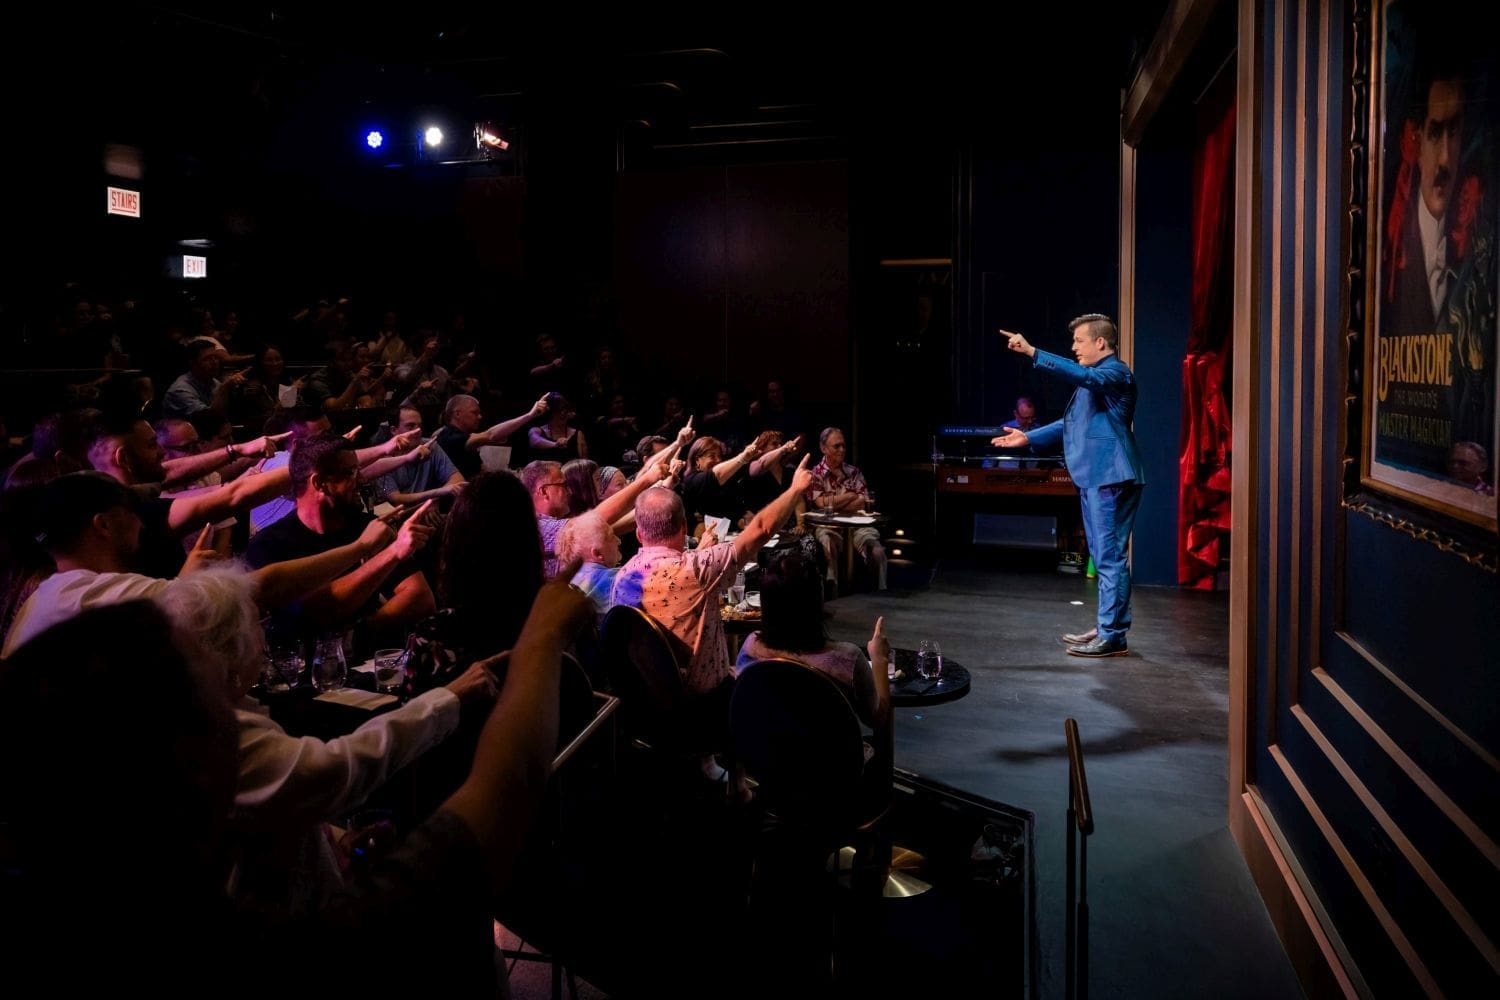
<point x="1108" y="518"/>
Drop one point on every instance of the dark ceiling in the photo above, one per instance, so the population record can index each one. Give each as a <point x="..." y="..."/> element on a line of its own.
<point x="249" y="76"/>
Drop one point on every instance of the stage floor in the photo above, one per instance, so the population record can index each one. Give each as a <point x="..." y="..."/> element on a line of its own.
<point x="1174" y="912"/>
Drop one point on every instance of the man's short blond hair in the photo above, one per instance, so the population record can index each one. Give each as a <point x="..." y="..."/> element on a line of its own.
<point x="582" y="536"/>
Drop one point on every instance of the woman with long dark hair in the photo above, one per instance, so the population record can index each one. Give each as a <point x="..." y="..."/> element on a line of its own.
<point x="490" y="564"/>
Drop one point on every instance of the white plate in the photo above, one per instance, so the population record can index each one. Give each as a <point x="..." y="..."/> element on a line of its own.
<point x="856" y="520"/>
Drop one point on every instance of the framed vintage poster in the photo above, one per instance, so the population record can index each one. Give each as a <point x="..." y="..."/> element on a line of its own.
<point x="1430" y="427"/>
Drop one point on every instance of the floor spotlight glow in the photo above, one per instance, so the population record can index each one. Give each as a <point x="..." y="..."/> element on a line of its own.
<point x="433" y="136"/>
<point x="374" y="139"/>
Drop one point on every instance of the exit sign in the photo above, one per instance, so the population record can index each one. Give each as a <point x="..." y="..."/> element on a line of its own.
<point x="194" y="267"/>
<point x="123" y="202"/>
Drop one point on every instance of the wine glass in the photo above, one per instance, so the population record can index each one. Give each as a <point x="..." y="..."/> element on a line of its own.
<point x="329" y="671"/>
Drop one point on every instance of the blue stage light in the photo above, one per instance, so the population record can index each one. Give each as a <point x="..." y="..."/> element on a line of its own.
<point x="374" y="139"/>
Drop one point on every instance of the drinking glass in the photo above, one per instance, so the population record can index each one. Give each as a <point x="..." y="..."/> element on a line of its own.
<point x="329" y="671"/>
<point x="287" y="658"/>
<point x="390" y="671"/>
<point x="929" y="659"/>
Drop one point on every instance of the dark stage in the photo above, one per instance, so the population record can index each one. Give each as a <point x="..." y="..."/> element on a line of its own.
<point x="1174" y="912"/>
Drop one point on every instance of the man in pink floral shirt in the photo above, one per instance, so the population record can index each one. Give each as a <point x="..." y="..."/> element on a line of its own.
<point x="680" y="588"/>
<point x="838" y="488"/>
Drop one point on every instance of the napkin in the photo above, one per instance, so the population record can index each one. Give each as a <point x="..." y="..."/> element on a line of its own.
<point x="356" y="698"/>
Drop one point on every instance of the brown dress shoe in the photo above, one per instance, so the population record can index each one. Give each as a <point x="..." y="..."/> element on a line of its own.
<point x="1079" y="638"/>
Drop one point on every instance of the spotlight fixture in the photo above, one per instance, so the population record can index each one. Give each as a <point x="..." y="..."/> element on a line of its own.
<point x="433" y="136"/>
<point x="374" y="138"/>
<point x="487" y="136"/>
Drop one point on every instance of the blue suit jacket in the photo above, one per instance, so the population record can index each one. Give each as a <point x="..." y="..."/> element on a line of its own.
<point x="1095" y="429"/>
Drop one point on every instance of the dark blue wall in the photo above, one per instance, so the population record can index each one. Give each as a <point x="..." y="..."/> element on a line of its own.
<point x="1163" y="313"/>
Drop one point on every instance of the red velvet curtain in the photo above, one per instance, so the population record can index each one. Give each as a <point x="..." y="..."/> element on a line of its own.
<point x="1203" y="465"/>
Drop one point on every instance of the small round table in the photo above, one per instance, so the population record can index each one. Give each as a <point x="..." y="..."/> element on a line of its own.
<point x="846" y="525"/>
<point x="913" y="691"/>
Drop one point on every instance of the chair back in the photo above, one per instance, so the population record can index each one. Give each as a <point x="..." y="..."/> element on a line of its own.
<point x="643" y="671"/>
<point x="797" y="735"/>
<point x="578" y="706"/>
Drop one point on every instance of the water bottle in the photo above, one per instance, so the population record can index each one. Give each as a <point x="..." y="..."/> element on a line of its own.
<point x="737" y="592"/>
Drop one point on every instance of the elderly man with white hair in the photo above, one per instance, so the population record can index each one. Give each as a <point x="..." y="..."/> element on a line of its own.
<point x="680" y="588"/>
<point x="591" y="540"/>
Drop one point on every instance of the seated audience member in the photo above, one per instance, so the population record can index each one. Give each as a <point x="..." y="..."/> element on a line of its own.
<point x="792" y="628"/>
<point x="201" y="387"/>
<point x="490" y="565"/>
<point x="289" y="786"/>
<point x="550" y="499"/>
<point x="428" y="474"/>
<point x="461" y="438"/>
<point x="305" y="422"/>
<point x="24" y="561"/>
<point x="127" y="451"/>
<point x="173" y="795"/>
<point x="384" y="594"/>
<point x="649" y="446"/>
<point x="588" y="484"/>
<point x="672" y="418"/>
<point x="724" y="421"/>
<point x="839" y="488"/>
<point x="555" y="440"/>
<point x="774" y="414"/>
<point x="590" y="540"/>
<point x="266" y="390"/>
<point x="548" y="372"/>
<point x="340" y="382"/>
<point x="424" y="380"/>
<point x="90" y="532"/>
<point x="768" y="475"/>
<point x="389" y="347"/>
<point x="680" y="588"/>
<point x="707" y="490"/>
<point x="59" y="438"/>
<point x="616" y="432"/>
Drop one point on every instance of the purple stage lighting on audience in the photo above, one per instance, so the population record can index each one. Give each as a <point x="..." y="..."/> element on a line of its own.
<point x="374" y="138"/>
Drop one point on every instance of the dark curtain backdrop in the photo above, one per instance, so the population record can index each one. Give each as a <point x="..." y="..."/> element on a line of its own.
<point x="1203" y="481"/>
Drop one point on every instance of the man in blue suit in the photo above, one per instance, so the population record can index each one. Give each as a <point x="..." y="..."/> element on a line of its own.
<point x="1100" y="450"/>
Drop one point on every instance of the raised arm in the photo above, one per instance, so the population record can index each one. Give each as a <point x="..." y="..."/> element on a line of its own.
<point x="280" y="583"/>
<point x="190" y="511"/>
<point x="1112" y="380"/>
<point x="671" y="451"/>
<point x="513" y="761"/>
<point x="380" y="459"/>
<point x="190" y="467"/>
<point x="725" y="470"/>
<point x="498" y="433"/>
<point x="615" y="507"/>
<point x="764" y="524"/>
<point x="770" y="458"/>
<point x="338" y="600"/>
